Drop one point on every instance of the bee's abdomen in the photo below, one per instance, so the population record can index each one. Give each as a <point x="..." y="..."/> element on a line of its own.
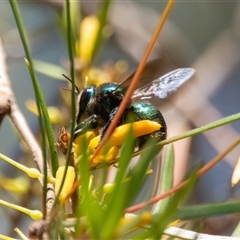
<point x="146" y="111"/>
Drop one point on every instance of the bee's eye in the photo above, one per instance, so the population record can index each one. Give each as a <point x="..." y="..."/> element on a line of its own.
<point x="84" y="100"/>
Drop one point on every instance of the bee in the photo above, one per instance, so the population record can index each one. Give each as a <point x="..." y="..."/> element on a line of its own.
<point x="97" y="105"/>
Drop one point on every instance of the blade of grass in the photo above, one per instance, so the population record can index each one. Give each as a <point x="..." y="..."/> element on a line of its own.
<point x="162" y="220"/>
<point x="166" y="179"/>
<point x="117" y="199"/>
<point x="85" y="204"/>
<point x="102" y="16"/>
<point x="41" y="104"/>
<point x="44" y="144"/>
<point x="138" y="174"/>
<point x="207" y="210"/>
<point x="73" y="102"/>
<point x="71" y="13"/>
<point x="72" y="71"/>
<point x="42" y="108"/>
<point x="218" y="123"/>
<point x="196" y="131"/>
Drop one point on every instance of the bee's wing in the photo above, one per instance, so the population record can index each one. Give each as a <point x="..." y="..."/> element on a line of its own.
<point x="153" y="70"/>
<point x="164" y="85"/>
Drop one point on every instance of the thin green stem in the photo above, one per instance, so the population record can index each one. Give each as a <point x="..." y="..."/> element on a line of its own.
<point x="41" y="105"/>
<point x="102" y="16"/>
<point x="207" y="210"/>
<point x="196" y="131"/>
<point x="72" y="71"/>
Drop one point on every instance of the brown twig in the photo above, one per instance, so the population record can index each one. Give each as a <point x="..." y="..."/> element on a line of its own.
<point x="9" y="107"/>
<point x="199" y="173"/>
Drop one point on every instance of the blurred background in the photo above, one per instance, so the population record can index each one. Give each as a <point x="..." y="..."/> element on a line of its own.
<point x="204" y="35"/>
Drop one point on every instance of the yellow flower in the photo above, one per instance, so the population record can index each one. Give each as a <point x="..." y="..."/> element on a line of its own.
<point x="88" y="33"/>
<point x="78" y="142"/>
<point x="111" y="149"/>
<point x="119" y="135"/>
<point x="68" y="182"/>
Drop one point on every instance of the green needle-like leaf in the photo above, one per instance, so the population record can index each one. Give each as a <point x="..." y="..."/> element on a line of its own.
<point x="41" y="104"/>
<point x="138" y="174"/>
<point x="117" y="199"/>
<point x="207" y="127"/>
<point x="166" y="179"/>
<point x="102" y="16"/>
<point x="160" y="221"/>
<point x="71" y="13"/>
<point x="72" y="70"/>
<point x="207" y="210"/>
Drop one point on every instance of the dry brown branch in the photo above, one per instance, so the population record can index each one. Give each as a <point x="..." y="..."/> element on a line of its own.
<point x="9" y="107"/>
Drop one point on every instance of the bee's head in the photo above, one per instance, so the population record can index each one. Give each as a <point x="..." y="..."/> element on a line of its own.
<point x="84" y="106"/>
<point x="84" y="100"/>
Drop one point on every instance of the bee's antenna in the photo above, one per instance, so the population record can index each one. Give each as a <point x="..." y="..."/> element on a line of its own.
<point x="70" y="80"/>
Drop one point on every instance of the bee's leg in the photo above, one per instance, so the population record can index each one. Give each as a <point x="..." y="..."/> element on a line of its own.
<point x="127" y="117"/>
<point x="111" y="116"/>
<point x="91" y="123"/>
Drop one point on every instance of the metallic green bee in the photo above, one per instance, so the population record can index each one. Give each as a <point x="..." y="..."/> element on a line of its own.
<point x="97" y="105"/>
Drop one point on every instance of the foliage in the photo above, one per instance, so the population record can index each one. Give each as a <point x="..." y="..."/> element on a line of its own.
<point x="87" y="205"/>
